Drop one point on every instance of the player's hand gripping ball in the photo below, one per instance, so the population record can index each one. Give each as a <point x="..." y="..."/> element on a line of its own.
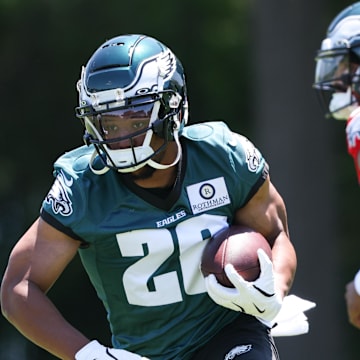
<point x="239" y="274"/>
<point x="236" y="245"/>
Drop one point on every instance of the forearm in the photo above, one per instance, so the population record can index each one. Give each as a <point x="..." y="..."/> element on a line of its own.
<point x="36" y="317"/>
<point x="284" y="263"/>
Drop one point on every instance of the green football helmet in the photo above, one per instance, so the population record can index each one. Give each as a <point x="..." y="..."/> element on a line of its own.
<point x="337" y="74"/>
<point x="133" y="87"/>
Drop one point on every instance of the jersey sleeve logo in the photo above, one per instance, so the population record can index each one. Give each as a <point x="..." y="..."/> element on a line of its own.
<point x="253" y="157"/>
<point x="58" y="196"/>
<point x="238" y="350"/>
<point x="252" y="154"/>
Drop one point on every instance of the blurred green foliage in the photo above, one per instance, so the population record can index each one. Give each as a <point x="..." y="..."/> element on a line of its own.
<point x="43" y="46"/>
<point x="44" y="43"/>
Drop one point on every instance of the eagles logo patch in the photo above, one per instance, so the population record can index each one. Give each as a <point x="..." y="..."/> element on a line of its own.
<point x="252" y="159"/>
<point x="237" y="350"/>
<point x="58" y="195"/>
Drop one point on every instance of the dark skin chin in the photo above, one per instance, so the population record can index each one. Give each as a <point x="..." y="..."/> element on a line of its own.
<point x="149" y="177"/>
<point x="144" y="173"/>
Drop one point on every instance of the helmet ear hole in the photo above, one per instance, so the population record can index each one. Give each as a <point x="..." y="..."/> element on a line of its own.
<point x="162" y="111"/>
<point x="163" y="128"/>
<point x="158" y="128"/>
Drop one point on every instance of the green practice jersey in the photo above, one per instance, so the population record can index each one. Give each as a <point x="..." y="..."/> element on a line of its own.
<point x="142" y="251"/>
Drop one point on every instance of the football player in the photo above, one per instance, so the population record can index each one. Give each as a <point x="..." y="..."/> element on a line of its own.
<point x="138" y="202"/>
<point x="337" y="81"/>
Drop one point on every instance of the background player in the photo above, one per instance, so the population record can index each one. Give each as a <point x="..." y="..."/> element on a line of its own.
<point x="138" y="203"/>
<point x="337" y="81"/>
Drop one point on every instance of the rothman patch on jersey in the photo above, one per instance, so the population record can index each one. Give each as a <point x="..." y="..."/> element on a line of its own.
<point x="208" y="195"/>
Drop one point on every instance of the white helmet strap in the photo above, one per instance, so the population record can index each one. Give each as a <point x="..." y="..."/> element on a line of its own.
<point x="159" y="166"/>
<point x="102" y="171"/>
<point x="150" y="162"/>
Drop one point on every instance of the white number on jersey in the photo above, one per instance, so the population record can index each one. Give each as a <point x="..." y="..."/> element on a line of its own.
<point x="160" y="245"/>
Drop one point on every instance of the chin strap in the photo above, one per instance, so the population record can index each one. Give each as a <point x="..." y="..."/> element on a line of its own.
<point x="151" y="162"/>
<point x="159" y="166"/>
<point x="102" y="171"/>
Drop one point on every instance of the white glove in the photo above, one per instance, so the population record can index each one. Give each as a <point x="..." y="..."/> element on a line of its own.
<point x="257" y="298"/>
<point x="94" y="350"/>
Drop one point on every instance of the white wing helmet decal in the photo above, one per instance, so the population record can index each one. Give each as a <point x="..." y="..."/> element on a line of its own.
<point x="166" y="63"/>
<point x="152" y="74"/>
<point x="58" y="195"/>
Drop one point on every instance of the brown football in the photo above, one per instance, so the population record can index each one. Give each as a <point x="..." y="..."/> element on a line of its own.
<point x="236" y="245"/>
